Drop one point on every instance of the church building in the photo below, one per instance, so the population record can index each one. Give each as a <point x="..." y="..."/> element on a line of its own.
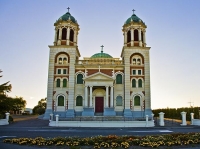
<point x="98" y="85"/>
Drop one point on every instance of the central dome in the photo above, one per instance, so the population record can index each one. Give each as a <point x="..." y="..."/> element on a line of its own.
<point x="67" y="16"/>
<point x="101" y="55"/>
<point x="133" y="18"/>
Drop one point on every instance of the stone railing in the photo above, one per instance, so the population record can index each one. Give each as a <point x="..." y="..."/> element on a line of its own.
<point x="100" y="61"/>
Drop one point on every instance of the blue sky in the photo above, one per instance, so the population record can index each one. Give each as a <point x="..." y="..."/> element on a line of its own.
<point x="26" y="30"/>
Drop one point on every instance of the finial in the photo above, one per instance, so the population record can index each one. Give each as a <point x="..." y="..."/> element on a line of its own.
<point x="133" y="11"/>
<point x="102" y="49"/>
<point x="68" y="9"/>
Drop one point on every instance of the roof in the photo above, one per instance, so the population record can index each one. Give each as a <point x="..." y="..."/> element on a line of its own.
<point x="133" y="18"/>
<point x="101" y="55"/>
<point x="67" y="16"/>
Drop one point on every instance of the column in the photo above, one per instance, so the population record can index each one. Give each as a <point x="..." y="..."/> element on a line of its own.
<point x="144" y="38"/>
<point x="106" y="96"/>
<point x="140" y="41"/>
<point x="86" y="96"/>
<point x="60" y="36"/>
<point x="75" y="34"/>
<point x="132" y="37"/>
<point x="125" y="38"/>
<point x="147" y="119"/>
<point x="183" y="114"/>
<point x="111" y="97"/>
<point x="68" y="31"/>
<point x="192" y="117"/>
<point x="161" y="117"/>
<point x="90" y="96"/>
<point x="55" y="37"/>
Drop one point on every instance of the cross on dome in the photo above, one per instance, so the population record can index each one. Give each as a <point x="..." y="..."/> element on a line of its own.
<point x="102" y="49"/>
<point x="133" y="11"/>
<point x="68" y="9"/>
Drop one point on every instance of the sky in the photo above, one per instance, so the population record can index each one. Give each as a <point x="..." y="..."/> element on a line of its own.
<point x="27" y="28"/>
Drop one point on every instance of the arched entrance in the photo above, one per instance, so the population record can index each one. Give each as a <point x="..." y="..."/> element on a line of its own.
<point x="99" y="95"/>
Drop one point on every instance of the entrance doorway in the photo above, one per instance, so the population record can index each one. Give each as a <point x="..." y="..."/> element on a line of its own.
<point x="98" y="104"/>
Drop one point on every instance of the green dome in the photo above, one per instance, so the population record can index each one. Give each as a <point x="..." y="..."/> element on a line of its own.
<point x="101" y="55"/>
<point x="66" y="17"/>
<point x="133" y="18"/>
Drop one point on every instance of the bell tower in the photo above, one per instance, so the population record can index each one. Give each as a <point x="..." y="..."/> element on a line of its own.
<point x="62" y="58"/>
<point x="66" y="30"/>
<point x="135" y="55"/>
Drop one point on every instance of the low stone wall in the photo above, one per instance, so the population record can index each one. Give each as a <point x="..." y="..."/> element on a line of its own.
<point x="5" y="121"/>
<point x="102" y="123"/>
<point x="196" y="122"/>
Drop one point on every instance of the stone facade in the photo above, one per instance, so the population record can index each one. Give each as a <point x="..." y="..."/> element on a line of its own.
<point x="99" y="85"/>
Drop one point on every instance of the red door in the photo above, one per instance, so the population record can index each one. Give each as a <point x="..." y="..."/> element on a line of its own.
<point x="99" y="104"/>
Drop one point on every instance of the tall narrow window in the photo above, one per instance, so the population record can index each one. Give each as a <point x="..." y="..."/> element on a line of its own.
<point x="142" y="36"/>
<point x="137" y="101"/>
<point x="134" y="61"/>
<point x="79" y="101"/>
<point x="58" y="83"/>
<point x="64" y="82"/>
<point x="79" y="79"/>
<point x="59" y="71"/>
<point x="65" y="60"/>
<point x="128" y="36"/>
<point x="119" y="79"/>
<point x="64" y="71"/>
<point x="134" y="72"/>
<point x="138" y="61"/>
<point x="57" y="34"/>
<point x="139" y="83"/>
<point x="60" y="60"/>
<point x="139" y="72"/>
<point x="60" y="101"/>
<point x="64" y="34"/>
<point x="135" y="35"/>
<point x="119" y="101"/>
<point x="71" y="38"/>
<point x="133" y="83"/>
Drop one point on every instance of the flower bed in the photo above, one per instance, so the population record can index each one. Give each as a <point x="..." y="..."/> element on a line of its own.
<point x="112" y="141"/>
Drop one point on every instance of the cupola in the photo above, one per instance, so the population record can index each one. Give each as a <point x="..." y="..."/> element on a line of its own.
<point x="66" y="30"/>
<point x="134" y="30"/>
<point x="101" y="55"/>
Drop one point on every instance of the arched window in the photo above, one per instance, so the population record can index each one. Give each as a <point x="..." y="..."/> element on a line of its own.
<point x="139" y="83"/>
<point x="137" y="101"/>
<point x="60" y="101"/>
<point x="134" y="61"/>
<point x="64" y="34"/>
<point x="135" y="35"/>
<point x="60" y="60"/>
<point x="142" y="36"/>
<point x="57" y="34"/>
<point x="58" y="83"/>
<point x="119" y="101"/>
<point x="79" y="79"/>
<point x="138" y="61"/>
<point x="79" y="101"/>
<point x="119" y="79"/>
<point x="64" y="82"/>
<point x="65" y="60"/>
<point x="128" y="36"/>
<point x="133" y="83"/>
<point x="71" y="37"/>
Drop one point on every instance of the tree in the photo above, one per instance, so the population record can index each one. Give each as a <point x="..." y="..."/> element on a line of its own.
<point x="8" y="103"/>
<point x="5" y="87"/>
<point x="40" y="108"/>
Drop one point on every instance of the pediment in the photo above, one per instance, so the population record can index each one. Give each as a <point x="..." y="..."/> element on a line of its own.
<point x="98" y="77"/>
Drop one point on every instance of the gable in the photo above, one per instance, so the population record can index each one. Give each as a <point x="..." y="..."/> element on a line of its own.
<point x="98" y="77"/>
